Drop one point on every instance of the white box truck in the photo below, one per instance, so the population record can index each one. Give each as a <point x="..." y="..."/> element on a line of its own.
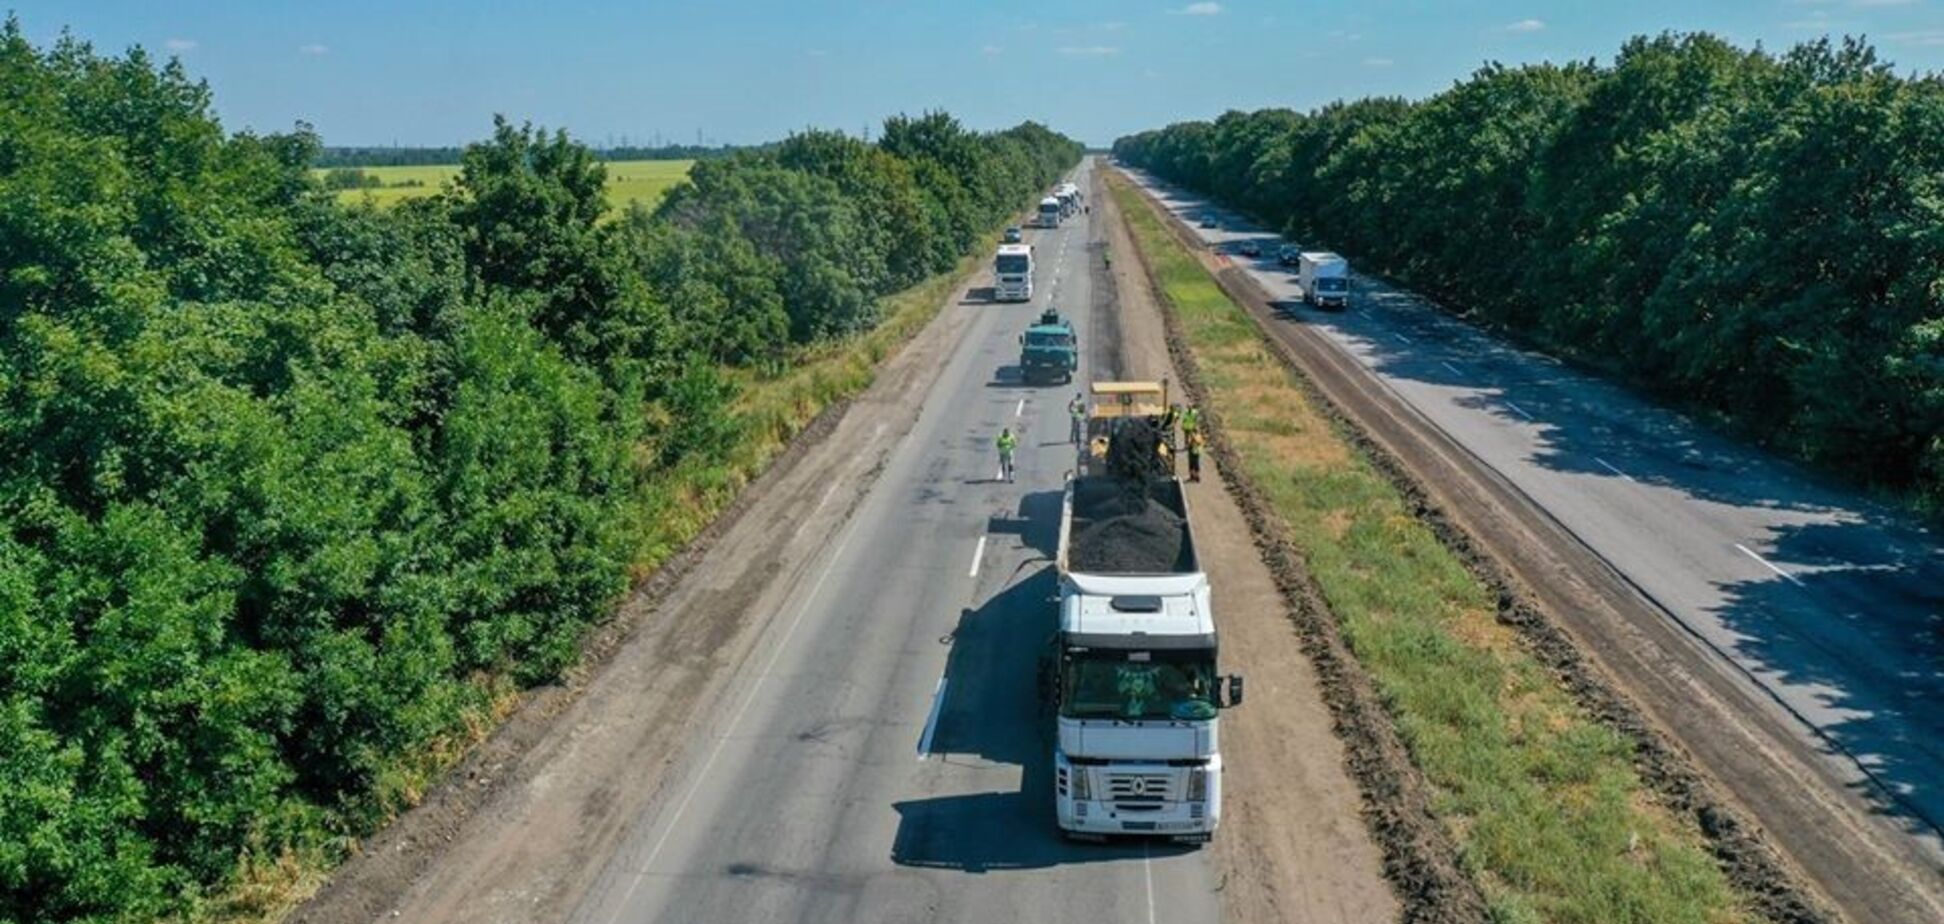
<point x="1325" y="278"/>
<point x="1133" y="671"/>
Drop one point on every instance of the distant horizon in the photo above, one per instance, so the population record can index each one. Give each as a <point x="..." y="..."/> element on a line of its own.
<point x="747" y="72"/>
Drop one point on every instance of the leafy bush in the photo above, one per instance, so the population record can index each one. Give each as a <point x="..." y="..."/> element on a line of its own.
<point x="288" y="488"/>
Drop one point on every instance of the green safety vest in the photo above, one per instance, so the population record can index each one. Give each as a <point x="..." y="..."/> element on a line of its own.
<point x="1007" y="441"/>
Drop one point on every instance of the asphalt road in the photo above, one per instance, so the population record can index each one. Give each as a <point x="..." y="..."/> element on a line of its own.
<point x="1828" y="607"/>
<point x="884" y="758"/>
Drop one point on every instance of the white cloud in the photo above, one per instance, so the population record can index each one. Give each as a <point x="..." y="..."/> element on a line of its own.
<point x="991" y="50"/>
<point x="314" y="49"/>
<point x="1200" y="9"/>
<point x="817" y="53"/>
<point x="1345" y="35"/>
<point x="1922" y="38"/>
<point x="1089" y="51"/>
<point x="1378" y="62"/>
<point x="179" y="44"/>
<point x="1527" y="25"/>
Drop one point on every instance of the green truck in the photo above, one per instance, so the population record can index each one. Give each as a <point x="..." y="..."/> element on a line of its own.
<point x="1048" y="350"/>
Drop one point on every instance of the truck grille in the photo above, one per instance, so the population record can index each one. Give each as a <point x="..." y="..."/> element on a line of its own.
<point x="1138" y="791"/>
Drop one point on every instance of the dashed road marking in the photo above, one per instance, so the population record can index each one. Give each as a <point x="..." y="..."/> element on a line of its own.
<point x="1609" y="467"/>
<point x="1521" y="411"/>
<point x="1454" y="369"/>
<point x="978" y="555"/>
<point x="1769" y="565"/>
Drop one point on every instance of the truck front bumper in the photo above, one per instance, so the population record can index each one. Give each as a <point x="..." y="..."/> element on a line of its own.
<point x="1171" y="816"/>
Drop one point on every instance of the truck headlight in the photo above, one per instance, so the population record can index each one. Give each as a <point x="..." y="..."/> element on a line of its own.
<point x="1082" y="785"/>
<point x="1198" y="784"/>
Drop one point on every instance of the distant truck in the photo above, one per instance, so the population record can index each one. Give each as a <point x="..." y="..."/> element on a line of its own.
<point x="1048" y="350"/>
<point x="1132" y="672"/>
<point x="1012" y="273"/>
<point x="1069" y="196"/>
<point x="1050" y="212"/>
<point x="1325" y="278"/>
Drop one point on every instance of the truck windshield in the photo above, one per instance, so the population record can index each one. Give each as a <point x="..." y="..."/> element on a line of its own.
<point x="1015" y="263"/>
<point x="1049" y="208"/>
<point x="1106" y="685"/>
<point x="1332" y="284"/>
<point x="1048" y="340"/>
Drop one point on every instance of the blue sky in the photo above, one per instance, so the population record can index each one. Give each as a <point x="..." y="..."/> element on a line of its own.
<point x="434" y="72"/>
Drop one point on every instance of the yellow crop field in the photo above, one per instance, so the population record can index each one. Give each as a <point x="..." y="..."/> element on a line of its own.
<point x="643" y="181"/>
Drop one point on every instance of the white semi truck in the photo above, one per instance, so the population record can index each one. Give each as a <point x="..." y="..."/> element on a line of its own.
<point x="1050" y="213"/>
<point x="1012" y="273"/>
<point x="1133" y="667"/>
<point x="1069" y="196"/>
<point x="1325" y="278"/>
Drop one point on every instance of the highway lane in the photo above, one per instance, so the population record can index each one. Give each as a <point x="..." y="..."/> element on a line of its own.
<point x="1828" y="607"/>
<point x="885" y="758"/>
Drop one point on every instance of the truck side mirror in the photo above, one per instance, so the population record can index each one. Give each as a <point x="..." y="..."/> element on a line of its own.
<point x="1235" y="690"/>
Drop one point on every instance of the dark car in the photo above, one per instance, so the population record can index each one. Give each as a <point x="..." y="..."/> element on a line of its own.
<point x="1208" y="222"/>
<point x="1014" y="235"/>
<point x="1250" y="249"/>
<point x="1289" y="255"/>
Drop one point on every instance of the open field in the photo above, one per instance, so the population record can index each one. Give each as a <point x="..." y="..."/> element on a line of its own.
<point x="1547" y="811"/>
<point x="643" y="181"/>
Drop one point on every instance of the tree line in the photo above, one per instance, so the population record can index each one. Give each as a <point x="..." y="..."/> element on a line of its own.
<point x="435" y="156"/>
<point x="1756" y="235"/>
<point x="289" y="490"/>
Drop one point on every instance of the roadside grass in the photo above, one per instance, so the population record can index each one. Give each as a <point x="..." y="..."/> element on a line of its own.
<point x="1550" y="817"/>
<point x="672" y="507"/>
<point x="643" y="181"/>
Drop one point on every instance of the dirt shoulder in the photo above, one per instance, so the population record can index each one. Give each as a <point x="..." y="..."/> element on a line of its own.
<point x="1294" y="846"/>
<point x="1591" y="629"/>
<point x="523" y="825"/>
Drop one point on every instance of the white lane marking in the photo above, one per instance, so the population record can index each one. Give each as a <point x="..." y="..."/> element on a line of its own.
<point x="1454" y="369"/>
<point x="931" y="721"/>
<point x="1519" y="409"/>
<point x="1609" y="467"/>
<point x="1021" y="409"/>
<point x="729" y="731"/>
<point x="1147" y="872"/>
<point x="1402" y="337"/>
<point x="1769" y="565"/>
<point x="978" y="554"/>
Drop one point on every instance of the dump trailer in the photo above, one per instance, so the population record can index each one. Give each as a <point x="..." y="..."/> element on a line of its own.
<point x="1132" y="672"/>
<point x="1114" y="407"/>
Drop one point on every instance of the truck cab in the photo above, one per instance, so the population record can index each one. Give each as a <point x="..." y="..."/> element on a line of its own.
<point x="1012" y="273"/>
<point x="1050" y="213"/>
<point x="1325" y="278"/>
<point x="1048" y="350"/>
<point x="1133" y="674"/>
